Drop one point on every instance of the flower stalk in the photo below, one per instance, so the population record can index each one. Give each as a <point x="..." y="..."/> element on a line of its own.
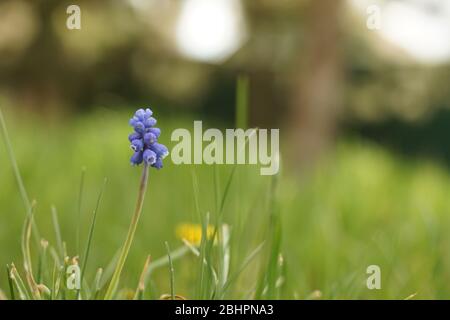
<point x="147" y="150"/>
<point x="131" y="231"/>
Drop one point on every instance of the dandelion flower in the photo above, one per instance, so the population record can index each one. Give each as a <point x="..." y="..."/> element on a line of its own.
<point x="193" y="233"/>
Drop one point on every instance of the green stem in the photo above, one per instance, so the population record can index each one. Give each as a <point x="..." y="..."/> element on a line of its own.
<point x="172" y="273"/>
<point x="131" y="231"/>
<point x="15" y="167"/>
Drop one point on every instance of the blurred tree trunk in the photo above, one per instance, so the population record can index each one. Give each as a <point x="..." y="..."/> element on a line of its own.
<point x="315" y="94"/>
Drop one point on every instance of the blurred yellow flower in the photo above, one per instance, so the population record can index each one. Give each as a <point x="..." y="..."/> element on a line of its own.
<point x="193" y="232"/>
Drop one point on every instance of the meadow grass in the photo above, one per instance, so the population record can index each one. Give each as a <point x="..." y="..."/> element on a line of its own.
<point x="286" y="237"/>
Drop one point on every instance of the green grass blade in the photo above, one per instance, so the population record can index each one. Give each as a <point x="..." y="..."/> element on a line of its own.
<point x="270" y="274"/>
<point x="164" y="261"/>
<point x="109" y="270"/>
<point x="10" y="283"/>
<point x="191" y="247"/>
<point x="97" y="283"/>
<point x="196" y="193"/>
<point x="203" y="257"/>
<point x="217" y="233"/>
<point x="215" y="281"/>
<point x="18" y="176"/>
<point x="91" y="231"/>
<point x="63" y="279"/>
<point x="246" y="262"/>
<point x="233" y="170"/>
<point x="26" y="252"/>
<point x="139" y="295"/>
<point x="227" y="189"/>
<point x="114" y="283"/>
<point x="42" y="266"/>
<point x="57" y="281"/>
<point x="80" y="198"/>
<point x="18" y="282"/>
<point x="54" y="279"/>
<point x="216" y="187"/>
<point x="59" y="241"/>
<point x="172" y="273"/>
<point x="13" y="161"/>
<point x="225" y="243"/>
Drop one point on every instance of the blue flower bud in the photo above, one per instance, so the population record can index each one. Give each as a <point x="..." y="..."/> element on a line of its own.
<point x="137" y="145"/>
<point x="155" y="131"/>
<point x="136" y="158"/>
<point x="133" y="121"/>
<point x="139" y="127"/>
<point x="159" y="149"/>
<point x="158" y="164"/>
<point x="134" y="136"/>
<point x="149" y="156"/>
<point x="140" y="114"/>
<point x="148" y="112"/>
<point x="149" y="138"/>
<point x="149" y="122"/>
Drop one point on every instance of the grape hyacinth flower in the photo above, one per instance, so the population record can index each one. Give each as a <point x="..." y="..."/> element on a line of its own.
<point x="144" y="140"/>
<point x="146" y="150"/>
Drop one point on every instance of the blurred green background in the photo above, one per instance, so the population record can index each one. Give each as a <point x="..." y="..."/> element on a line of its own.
<point x="363" y="115"/>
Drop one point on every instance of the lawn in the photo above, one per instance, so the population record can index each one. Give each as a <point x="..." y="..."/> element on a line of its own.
<point x="361" y="205"/>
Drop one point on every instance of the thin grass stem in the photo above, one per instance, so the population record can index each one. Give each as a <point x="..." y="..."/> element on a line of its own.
<point x="129" y="239"/>
<point x="10" y="284"/>
<point x="80" y="198"/>
<point x="57" y="228"/>
<point x="91" y="233"/>
<point x="19" y="180"/>
<point x="172" y="273"/>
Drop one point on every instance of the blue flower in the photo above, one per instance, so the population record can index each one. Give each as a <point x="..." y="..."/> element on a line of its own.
<point x="144" y="140"/>
<point x="134" y="136"/>
<point x="137" y="145"/>
<point x="158" y="164"/>
<point x="149" y="122"/>
<point x="159" y="149"/>
<point x="149" y="138"/>
<point x="155" y="131"/>
<point x="136" y="158"/>
<point x="149" y="156"/>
